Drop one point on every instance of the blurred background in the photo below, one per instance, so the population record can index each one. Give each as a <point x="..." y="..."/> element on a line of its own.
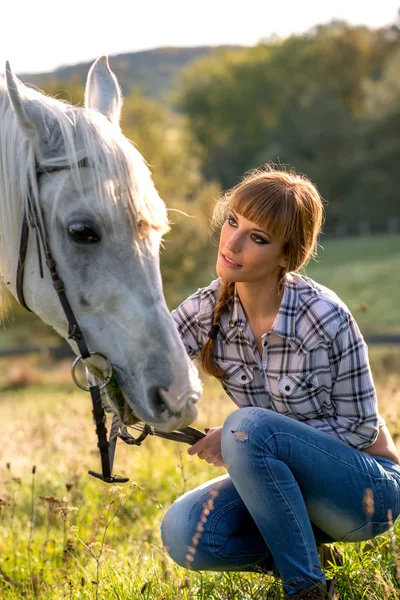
<point x="254" y="86"/>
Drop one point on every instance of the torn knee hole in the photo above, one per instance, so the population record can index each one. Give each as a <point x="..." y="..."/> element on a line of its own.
<point x="241" y="436"/>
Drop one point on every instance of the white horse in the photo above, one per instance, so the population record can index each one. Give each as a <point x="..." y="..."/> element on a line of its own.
<point x="104" y="221"/>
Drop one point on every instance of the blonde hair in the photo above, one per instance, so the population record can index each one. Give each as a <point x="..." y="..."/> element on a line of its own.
<point x="285" y="203"/>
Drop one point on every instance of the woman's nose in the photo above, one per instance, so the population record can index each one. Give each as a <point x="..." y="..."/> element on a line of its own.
<point x="233" y="243"/>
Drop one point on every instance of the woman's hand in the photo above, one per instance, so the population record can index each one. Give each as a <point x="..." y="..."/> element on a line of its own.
<point x="384" y="446"/>
<point x="209" y="448"/>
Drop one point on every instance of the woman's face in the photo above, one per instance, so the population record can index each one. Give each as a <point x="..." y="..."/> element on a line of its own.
<point x="247" y="252"/>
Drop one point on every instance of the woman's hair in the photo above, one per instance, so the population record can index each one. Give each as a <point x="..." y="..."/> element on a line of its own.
<point x="285" y="203"/>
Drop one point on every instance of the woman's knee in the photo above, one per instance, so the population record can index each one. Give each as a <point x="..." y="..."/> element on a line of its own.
<point x="198" y="525"/>
<point x="238" y="433"/>
<point x="251" y="431"/>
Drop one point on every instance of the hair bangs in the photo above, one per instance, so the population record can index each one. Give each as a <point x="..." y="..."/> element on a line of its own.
<point x="269" y="211"/>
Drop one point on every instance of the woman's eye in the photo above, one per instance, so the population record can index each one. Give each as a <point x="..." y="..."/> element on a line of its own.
<point x="82" y="233"/>
<point x="258" y="240"/>
<point x="231" y="221"/>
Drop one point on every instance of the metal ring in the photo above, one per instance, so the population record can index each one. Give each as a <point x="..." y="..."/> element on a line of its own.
<point x="106" y="380"/>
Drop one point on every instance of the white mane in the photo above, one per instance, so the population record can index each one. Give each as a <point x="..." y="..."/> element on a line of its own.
<point x="103" y="221"/>
<point x="71" y="133"/>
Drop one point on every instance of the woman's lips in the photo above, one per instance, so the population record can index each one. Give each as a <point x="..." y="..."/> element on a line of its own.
<point x="229" y="262"/>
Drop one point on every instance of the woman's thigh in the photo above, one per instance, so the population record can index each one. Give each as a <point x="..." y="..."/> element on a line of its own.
<point x="347" y="493"/>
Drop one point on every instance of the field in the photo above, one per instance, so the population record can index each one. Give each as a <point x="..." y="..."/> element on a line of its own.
<point x="365" y="273"/>
<point x="66" y="535"/>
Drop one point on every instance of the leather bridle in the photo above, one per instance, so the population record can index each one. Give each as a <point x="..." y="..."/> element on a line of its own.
<point x="33" y="219"/>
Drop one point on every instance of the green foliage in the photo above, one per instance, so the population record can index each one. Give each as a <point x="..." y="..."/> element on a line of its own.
<point x="306" y="102"/>
<point x="325" y="102"/>
<point x="382" y="97"/>
<point x="71" y="90"/>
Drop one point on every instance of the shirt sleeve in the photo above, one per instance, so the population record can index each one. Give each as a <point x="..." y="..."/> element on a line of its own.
<point x="186" y="320"/>
<point x="353" y="395"/>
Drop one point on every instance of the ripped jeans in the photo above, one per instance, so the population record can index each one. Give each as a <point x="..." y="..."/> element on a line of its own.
<point x="289" y="488"/>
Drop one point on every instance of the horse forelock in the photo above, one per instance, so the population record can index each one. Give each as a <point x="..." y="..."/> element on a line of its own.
<point x="65" y="135"/>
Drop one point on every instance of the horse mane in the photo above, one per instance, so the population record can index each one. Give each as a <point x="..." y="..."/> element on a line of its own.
<point x="71" y="134"/>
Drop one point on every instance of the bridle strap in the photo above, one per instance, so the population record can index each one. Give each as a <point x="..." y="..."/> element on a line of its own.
<point x="23" y="246"/>
<point x="32" y="219"/>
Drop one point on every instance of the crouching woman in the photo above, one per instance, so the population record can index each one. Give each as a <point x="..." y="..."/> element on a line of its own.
<point x="309" y="459"/>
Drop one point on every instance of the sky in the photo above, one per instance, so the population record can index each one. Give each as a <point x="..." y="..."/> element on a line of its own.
<point x="41" y="35"/>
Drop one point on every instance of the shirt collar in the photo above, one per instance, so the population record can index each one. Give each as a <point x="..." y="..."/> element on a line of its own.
<point x="236" y="313"/>
<point x="285" y="322"/>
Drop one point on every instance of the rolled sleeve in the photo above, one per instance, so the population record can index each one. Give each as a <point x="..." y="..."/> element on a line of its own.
<point x="356" y="419"/>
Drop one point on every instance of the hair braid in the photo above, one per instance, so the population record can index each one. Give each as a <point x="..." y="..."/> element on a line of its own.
<point x="207" y="357"/>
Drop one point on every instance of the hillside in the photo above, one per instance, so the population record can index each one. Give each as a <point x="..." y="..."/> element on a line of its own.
<point x="152" y="71"/>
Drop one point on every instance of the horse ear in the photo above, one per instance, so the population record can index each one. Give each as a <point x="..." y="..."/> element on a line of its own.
<point x="15" y="90"/>
<point x="102" y="91"/>
<point x="34" y="118"/>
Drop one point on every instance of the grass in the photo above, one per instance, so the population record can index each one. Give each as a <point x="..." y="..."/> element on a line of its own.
<point x="364" y="272"/>
<point x="64" y="535"/>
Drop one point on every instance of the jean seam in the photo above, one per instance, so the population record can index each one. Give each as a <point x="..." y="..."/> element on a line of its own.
<point x="299" y="524"/>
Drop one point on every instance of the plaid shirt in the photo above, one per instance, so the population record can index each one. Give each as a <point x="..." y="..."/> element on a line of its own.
<point x="314" y="366"/>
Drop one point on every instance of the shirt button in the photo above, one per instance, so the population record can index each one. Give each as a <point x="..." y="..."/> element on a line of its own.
<point x="309" y="385"/>
<point x="287" y="388"/>
<point x="243" y="377"/>
<point x="265" y="343"/>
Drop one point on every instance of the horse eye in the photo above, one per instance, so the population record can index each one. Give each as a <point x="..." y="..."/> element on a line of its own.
<point x="82" y="233"/>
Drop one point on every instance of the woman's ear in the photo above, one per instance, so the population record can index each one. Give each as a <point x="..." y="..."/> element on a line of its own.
<point x="283" y="263"/>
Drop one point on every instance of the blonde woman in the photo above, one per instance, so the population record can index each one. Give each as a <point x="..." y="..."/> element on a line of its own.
<point x="309" y="459"/>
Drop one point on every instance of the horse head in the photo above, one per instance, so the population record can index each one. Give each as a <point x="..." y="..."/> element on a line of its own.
<point x="103" y="220"/>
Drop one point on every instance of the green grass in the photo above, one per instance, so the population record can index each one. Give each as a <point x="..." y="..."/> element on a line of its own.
<point x="86" y="540"/>
<point x="365" y="273"/>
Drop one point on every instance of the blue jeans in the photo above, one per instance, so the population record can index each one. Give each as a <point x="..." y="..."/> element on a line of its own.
<point x="289" y="488"/>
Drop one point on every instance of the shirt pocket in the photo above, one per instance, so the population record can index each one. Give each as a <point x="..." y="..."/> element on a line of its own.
<point x="297" y="395"/>
<point x="238" y="383"/>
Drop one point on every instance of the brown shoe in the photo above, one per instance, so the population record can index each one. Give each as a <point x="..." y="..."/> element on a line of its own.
<point x="316" y="592"/>
<point x="331" y="593"/>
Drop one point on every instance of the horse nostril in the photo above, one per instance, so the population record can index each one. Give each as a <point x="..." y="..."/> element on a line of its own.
<point x="159" y="402"/>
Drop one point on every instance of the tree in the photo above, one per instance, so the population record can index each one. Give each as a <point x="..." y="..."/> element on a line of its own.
<point x="299" y="102"/>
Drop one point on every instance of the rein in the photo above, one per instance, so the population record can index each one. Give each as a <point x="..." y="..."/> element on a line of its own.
<point x="32" y="220"/>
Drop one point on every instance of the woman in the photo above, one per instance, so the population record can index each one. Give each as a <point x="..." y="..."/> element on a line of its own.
<point x="309" y="460"/>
